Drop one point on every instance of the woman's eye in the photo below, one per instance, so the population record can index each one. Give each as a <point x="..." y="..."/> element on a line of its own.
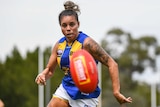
<point x="64" y="25"/>
<point x="72" y="24"/>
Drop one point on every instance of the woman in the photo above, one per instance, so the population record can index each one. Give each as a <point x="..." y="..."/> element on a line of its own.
<point x="67" y="94"/>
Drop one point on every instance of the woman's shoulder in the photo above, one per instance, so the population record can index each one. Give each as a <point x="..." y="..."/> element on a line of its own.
<point x="82" y="36"/>
<point x="62" y="39"/>
<point x="82" y="33"/>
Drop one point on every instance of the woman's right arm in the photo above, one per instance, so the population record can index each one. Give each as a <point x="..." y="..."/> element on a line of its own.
<point x="49" y="70"/>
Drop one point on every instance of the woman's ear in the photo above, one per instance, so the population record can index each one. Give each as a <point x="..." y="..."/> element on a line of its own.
<point x="78" y="24"/>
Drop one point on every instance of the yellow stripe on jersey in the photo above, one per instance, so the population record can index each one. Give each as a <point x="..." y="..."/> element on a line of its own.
<point x="61" y="48"/>
<point x="76" y="46"/>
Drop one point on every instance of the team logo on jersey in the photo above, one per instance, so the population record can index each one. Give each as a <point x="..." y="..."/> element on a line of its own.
<point x="59" y="52"/>
<point x="71" y="52"/>
<point x="66" y="70"/>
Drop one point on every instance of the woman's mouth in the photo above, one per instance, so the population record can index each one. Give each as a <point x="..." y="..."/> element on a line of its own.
<point x="69" y="35"/>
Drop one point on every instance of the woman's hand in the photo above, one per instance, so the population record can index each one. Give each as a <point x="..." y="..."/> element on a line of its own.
<point x="122" y="99"/>
<point x="41" y="79"/>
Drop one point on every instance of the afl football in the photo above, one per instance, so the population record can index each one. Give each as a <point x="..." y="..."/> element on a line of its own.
<point x="84" y="71"/>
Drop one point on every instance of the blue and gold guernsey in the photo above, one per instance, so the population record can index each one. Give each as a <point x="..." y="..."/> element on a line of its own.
<point x="64" y="53"/>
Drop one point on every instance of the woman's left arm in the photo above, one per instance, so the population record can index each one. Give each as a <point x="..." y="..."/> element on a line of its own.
<point x="101" y="55"/>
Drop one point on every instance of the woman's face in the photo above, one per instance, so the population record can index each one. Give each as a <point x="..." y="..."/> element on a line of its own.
<point x="69" y="26"/>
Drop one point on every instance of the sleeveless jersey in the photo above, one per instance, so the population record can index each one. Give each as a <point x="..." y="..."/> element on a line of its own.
<point x="63" y="58"/>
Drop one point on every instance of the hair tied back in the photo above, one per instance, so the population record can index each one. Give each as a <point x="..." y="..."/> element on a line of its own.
<point x="69" y="5"/>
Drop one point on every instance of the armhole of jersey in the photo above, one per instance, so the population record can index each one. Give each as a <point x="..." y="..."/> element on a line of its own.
<point x="81" y="40"/>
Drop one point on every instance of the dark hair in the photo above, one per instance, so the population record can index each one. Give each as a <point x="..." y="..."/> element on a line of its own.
<point x="70" y="9"/>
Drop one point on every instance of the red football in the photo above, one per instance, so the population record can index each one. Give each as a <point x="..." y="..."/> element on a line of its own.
<point x="84" y="71"/>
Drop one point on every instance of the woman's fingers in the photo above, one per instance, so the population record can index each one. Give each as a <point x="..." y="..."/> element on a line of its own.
<point x="40" y="79"/>
<point x="122" y="99"/>
<point x="129" y="100"/>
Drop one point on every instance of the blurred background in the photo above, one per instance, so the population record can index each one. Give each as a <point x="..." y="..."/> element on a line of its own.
<point x="128" y="30"/>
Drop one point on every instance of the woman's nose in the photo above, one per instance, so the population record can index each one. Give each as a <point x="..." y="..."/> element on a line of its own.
<point x="68" y="27"/>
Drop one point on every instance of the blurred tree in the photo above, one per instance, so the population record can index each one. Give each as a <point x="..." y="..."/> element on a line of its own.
<point x="18" y="88"/>
<point x="12" y="79"/>
<point x="131" y="55"/>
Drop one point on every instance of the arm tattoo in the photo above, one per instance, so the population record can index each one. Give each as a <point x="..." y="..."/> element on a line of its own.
<point x="97" y="52"/>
